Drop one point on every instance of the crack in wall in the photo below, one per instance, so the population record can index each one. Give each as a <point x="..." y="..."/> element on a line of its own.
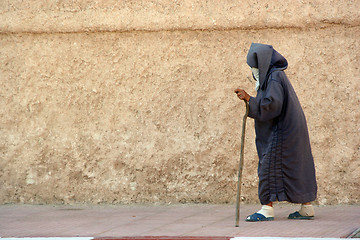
<point x="324" y="25"/>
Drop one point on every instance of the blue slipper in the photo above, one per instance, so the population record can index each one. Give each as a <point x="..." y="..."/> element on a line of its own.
<point x="258" y="217"/>
<point x="297" y="215"/>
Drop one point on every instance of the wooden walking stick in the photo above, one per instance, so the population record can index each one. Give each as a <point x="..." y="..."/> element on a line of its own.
<point x="241" y="164"/>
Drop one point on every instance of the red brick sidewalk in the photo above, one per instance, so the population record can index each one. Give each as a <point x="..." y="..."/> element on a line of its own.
<point x="173" y="220"/>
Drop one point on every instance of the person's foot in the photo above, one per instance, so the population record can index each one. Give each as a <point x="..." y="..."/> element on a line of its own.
<point x="266" y="213"/>
<point x="306" y="212"/>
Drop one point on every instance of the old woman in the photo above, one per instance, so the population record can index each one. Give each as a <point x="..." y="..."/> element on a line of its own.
<point x="286" y="167"/>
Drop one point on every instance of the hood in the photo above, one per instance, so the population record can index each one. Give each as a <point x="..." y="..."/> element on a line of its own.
<point x="266" y="59"/>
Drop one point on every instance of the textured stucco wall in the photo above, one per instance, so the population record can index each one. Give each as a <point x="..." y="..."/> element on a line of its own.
<point x="150" y="15"/>
<point x="133" y="102"/>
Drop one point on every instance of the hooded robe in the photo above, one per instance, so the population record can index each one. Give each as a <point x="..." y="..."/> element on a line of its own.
<point x="286" y="167"/>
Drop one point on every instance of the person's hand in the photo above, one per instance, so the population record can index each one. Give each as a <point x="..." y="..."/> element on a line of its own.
<point x="242" y="94"/>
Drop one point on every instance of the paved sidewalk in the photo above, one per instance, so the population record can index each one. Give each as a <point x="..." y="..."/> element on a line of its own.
<point x="171" y="220"/>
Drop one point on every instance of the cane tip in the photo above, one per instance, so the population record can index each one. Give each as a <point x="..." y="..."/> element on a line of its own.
<point x="236" y="225"/>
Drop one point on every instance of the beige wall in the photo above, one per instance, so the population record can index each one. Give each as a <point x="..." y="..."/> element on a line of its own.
<point x="133" y="102"/>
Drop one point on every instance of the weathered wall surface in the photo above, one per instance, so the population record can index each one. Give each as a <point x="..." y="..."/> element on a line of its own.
<point x="133" y="102"/>
<point x="112" y="15"/>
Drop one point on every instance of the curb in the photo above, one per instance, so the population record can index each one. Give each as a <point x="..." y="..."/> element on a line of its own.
<point x="167" y="238"/>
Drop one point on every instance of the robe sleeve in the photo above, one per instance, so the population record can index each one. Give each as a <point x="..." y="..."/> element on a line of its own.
<point x="270" y="105"/>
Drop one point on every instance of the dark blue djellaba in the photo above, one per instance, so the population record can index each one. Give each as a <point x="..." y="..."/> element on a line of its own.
<point x="286" y="166"/>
